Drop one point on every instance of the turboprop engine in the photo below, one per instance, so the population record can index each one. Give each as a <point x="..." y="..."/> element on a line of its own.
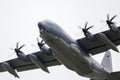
<point x="103" y="38"/>
<point x="38" y="62"/>
<point x="112" y="24"/>
<point x="87" y="33"/>
<point x="19" y="53"/>
<point x="9" y="68"/>
<point x="43" y="48"/>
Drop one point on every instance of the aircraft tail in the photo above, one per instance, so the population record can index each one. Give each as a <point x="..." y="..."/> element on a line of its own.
<point x="107" y="61"/>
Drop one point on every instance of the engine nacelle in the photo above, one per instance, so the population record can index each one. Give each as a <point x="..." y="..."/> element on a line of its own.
<point x="103" y="38"/>
<point x="38" y="63"/>
<point x="9" y="68"/>
<point x="22" y="56"/>
<point x="114" y="28"/>
<point x="89" y="35"/>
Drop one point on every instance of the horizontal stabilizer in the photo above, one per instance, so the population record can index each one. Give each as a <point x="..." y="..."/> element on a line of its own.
<point x="114" y="76"/>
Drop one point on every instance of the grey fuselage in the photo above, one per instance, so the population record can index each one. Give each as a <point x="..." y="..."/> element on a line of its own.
<point x="69" y="53"/>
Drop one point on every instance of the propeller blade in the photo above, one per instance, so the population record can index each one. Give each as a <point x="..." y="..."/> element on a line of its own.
<point x="113" y="17"/>
<point x="42" y="42"/>
<point x="86" y="25"/>
<point x="11" y="48"/>
<point x="89" y="27"/>
<point x="21" y="47"/>
<point x="17" y="49"/>
<point x="79" y="27"/>
<point x="86" y="29"/>
<point x="17" y="45"/>
<point x="107" y="16"/>
<point x="37" y="39"/>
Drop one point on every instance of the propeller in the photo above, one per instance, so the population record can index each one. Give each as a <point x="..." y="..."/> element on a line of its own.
<point x="85" y="29"/>
<point x="40" y="43"/>
<point x="17" y="49"/>
<point x="109" y="21"/>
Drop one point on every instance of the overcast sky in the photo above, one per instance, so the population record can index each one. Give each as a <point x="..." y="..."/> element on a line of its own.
<point x="18" y="23"/>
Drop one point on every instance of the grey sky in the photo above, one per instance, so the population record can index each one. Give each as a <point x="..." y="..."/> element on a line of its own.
<point x="18" y="23"/>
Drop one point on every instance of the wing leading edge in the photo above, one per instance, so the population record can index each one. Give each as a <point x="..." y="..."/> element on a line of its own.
<point x="97" y="46"/>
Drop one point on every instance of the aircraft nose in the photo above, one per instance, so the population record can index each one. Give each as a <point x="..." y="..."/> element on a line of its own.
<point x="41" y="26"/>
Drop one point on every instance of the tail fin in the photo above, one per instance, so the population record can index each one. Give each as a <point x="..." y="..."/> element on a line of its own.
<point x="107" y="61"/>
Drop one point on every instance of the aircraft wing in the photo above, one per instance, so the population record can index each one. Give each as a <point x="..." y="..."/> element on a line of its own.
<point x="44" y="61"/>
<point x="96" y="46"/>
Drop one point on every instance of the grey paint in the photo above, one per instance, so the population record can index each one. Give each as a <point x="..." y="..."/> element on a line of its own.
<point x="69" y="53"/>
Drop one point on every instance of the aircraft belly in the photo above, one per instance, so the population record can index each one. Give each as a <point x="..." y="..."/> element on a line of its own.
<point x="74" y="63"/>
<point x="68" y="58"/>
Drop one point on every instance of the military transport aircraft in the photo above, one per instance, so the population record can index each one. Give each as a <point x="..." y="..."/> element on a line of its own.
<point x="76" y="55"/>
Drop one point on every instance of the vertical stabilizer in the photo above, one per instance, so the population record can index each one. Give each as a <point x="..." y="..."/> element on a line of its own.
<point x="107" y="61"/>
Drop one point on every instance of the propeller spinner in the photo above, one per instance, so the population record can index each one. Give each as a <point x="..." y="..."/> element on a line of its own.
<point x="18" y="49"/>
<point x="111" y="24"/>
<point x="109" y="21"/>
<point x="19" y="53"/>
<point x="85" y="30"/>
<point x="40" y="44"/>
